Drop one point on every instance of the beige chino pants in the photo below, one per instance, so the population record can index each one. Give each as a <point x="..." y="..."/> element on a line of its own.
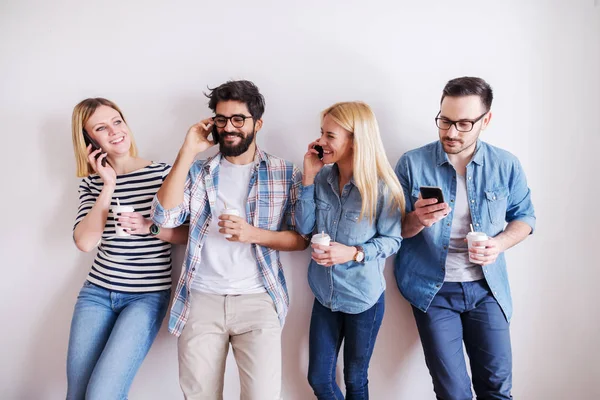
<point x="250" y="323"/>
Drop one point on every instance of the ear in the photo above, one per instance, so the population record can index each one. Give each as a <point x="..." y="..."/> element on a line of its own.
<point x="486" y="120"/>
<point x="258" y="125"/>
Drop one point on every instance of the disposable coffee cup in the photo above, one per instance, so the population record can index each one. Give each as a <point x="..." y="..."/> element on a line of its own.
<point x="121" y="209"/>
<point x="230" y="211"/>
<point x="323" y="239"/>
<point x="475" y="237"/>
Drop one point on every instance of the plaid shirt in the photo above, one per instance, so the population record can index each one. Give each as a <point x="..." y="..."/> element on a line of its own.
<point x="272" y="194"/>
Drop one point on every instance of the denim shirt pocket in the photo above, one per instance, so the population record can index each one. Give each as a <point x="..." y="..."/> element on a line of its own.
<point x="357" y="229"/>
<point x="322" y="211"/>
<point x="496" y="200"/>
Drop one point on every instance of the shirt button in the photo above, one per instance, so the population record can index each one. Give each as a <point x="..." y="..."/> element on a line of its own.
<point x="493" y="197"/>
<point x="476" y="224"/>
<point x="444" y="247"/>
<point x="448" y="224"/>
<point x="437" y="285"/>
<point x="496" y="293"/>
<point x="452" y="201"/>
<point x="469" y="178"/>
<point x="472" y="201"/>
<point x="193" y="269"/>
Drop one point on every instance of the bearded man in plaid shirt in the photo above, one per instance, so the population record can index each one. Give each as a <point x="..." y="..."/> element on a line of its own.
<point x="232" y="289"/>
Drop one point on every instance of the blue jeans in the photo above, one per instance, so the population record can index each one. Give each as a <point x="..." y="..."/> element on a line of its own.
<point x="111" y="333"/>
<point x="466" y="312"/>
<point x="327" y="330"/>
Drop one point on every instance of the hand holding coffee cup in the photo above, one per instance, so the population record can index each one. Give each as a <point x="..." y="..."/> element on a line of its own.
<point x="230" y="211"/>
<point x="476" y="237"/>
<point x="322" y="239"/>
<point x="118" y="209"/>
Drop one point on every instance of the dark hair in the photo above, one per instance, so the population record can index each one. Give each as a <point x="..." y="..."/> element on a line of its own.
<point x="242" y="91"/>
<point x="468" y="86"/>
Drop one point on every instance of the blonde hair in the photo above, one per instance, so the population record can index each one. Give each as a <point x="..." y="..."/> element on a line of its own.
<point x="370" y="163"/>
<point x="81" y="114"/>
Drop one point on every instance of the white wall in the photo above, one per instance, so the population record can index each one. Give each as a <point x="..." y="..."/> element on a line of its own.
<point x="155" y="58"/>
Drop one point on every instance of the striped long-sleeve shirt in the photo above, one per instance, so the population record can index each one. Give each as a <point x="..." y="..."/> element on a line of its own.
<point x="137" y="263"/>
<point x="272" y="195"/>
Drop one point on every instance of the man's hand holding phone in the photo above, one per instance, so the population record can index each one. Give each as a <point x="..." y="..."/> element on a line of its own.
<point x="196" y="140"/>
<point x="430" y="210"/>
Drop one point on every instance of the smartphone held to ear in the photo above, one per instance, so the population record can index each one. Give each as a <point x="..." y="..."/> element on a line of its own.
<point x="95" y="146"/>
<point x="319" y="149"/>
<point x="215" y="134"/>
<point x="432" y="192"/>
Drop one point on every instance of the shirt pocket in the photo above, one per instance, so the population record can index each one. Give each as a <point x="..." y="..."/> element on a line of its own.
<point x="271" y="209"/>
<point x="358" y="230"/>
<point x="496" y="200"/>
<point x="323" y="213"/>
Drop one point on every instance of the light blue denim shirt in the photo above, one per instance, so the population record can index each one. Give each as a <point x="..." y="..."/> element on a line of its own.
<point x="351" y="287"/>
<point x="497" y="193"/>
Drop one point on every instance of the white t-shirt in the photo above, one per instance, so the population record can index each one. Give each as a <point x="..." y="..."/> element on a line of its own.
<point x="229" y="267"/>
<point x="458" y="266"/>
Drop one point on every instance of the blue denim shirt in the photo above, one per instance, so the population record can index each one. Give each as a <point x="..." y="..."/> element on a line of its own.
<point x="497" y="193"/>
<point x="351" y="287"/>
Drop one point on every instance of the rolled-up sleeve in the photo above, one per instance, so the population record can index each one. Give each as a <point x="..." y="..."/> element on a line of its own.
<point x="305" y="210"/>
<point x="173" y="217"/>
<point x="389" y="229"/>
<point x="520" y="206"/>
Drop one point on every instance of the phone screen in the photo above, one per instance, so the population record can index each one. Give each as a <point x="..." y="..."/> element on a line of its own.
<point x="432" y="192"/>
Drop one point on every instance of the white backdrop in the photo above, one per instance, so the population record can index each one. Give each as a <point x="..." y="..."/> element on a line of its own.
<point x="155" y="58"/>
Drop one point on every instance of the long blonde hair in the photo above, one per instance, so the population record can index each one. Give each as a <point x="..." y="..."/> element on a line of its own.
<point x="370" y="163"/>
<point x="81" y="114"/>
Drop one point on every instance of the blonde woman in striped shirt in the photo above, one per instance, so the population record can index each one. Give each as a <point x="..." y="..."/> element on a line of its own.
<point x="125" y="297"/>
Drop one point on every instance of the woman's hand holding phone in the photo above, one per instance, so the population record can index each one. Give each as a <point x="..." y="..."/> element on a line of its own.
<point x="312" y="164"/>
<point x="196" y="140"/>
<point x="106" y="172"/>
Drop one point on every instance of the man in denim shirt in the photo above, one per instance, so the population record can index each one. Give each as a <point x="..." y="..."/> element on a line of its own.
<point x="453" y="299"/>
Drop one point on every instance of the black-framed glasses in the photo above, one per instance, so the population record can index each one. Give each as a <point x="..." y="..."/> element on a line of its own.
<point x="237" y="120"/>
<point x="461" y="126"/>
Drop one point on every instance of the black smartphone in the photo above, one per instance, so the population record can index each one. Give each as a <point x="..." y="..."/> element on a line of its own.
<point x="95" y="146"/>
<point x="319" y="149"/>
<point x="215" y="134"/>
<point x="432" y="192"/>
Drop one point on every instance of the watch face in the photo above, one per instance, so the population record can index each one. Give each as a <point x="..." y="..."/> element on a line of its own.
<point x="154" y="229"/>
<point x="360" y="256"/>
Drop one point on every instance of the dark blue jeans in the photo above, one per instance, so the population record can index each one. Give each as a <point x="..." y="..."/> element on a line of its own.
<point x="327" y="330"/>
<point x="466" y="312"/>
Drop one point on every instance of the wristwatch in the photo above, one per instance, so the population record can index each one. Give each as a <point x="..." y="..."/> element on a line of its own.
<point x="154" y="229"/>
<point x="360" y="254"/>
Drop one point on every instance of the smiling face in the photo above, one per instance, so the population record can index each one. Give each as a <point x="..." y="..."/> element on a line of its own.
<point x="107" y="127"/>
<point x="336" y="141"/>
<point x="234" y="141"/>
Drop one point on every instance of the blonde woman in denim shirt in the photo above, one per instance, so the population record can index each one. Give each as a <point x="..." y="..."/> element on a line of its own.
<point x="357" y="200"/>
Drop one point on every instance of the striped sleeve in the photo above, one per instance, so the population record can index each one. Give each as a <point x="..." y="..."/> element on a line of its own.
<point x="87" y="199"/>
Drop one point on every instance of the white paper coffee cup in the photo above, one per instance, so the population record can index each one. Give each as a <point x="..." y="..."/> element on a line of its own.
<point x="475" y="237"/>
<point x="230" y="211"/>
<point x="121" y="209"/>
<point x="321" y="238"/>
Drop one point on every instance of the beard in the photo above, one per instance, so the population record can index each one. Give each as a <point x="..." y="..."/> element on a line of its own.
<point x="235" y="150"/>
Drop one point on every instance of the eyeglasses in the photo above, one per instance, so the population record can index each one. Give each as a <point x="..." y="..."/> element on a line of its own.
<point x="461" y="126"/>
<point x="237" y="120"/>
